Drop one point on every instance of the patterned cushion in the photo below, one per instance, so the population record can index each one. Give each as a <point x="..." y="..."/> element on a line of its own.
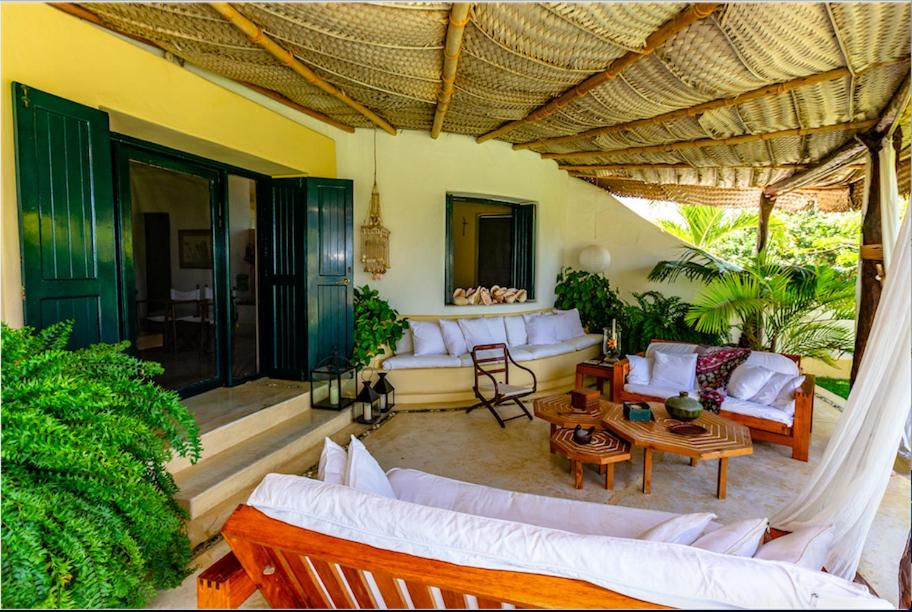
<point x="715" y="365"/>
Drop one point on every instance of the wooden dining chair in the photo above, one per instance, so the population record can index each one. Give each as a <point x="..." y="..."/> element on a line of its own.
<point x="489" y="360"/>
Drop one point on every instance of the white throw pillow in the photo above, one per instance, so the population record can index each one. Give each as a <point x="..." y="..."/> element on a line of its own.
<point x="333" y="461"/>
<point x="485" y="330"/>
<point x="740" y="539"/>
<point x="362" y="471"/>
<point x="674" y="370"/>
<point x="640" y="370"/>
<point x="542" y="329"/>
<point x="778" y="384"/>
<point x="787" y="393"/>
<point x="405" y="342"/>
<point x="747" y="380"/>
<point x="427" y="338"/>
<point x="516" y="331"/>
<point x="807" y="548"/>
<point x="682" y="529"/>
<point x="568" y="324"/>
<point x="452" y="337"/>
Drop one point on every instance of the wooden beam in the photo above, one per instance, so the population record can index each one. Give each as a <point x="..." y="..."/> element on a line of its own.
<point x="258" y="36"/>
<point x="698" y="109"/>
<point x="628" y="167"/>
<point x="459" y="17"/>
<point x="693" y="13"/>
<point x="714" y="142"/>
<point x="766" y="208"/>
<point x="274" y="95"/>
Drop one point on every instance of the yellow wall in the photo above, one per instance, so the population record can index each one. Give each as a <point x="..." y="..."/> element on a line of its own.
<point x="465" y="245"/>
<point x="147" y="97"/>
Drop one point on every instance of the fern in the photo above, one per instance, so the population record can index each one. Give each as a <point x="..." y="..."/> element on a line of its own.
<point x="88" y="514"/>
<point x="655" y="316"/>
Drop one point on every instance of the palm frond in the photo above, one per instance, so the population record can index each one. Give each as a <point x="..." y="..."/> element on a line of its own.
<point x="726" y="300"/>
<point x="693" y="264"/>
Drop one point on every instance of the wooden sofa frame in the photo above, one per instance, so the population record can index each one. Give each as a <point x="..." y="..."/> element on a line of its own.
<point x="297" y="568"/>
<point x="798" y="436"/>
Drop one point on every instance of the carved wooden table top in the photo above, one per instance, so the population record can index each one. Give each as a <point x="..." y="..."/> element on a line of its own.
<point x="556" y="410"/>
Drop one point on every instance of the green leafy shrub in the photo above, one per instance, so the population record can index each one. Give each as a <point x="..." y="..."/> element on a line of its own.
<point x="89" y="517"/>
<point x="592" y="295"/>
<point x="655" y="316"/>
<point x="376" y="325"/>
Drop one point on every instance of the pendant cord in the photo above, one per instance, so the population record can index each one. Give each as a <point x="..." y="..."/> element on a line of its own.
<point x="375" y="155"/>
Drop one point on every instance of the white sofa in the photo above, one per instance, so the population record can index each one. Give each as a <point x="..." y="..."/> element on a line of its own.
<point x="469" y="525"/>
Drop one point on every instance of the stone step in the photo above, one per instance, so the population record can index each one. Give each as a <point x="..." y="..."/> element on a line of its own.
<point x="228" y="415"/>
<point x="219" y="477"/>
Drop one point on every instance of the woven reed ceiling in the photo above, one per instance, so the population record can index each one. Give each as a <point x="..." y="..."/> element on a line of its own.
<point x="516" y="58"/>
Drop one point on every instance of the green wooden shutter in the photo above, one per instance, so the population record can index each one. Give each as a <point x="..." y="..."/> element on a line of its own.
<point x="524" y="248"/>
<point x="66" y="215"/>
<point x="329" y="268"/>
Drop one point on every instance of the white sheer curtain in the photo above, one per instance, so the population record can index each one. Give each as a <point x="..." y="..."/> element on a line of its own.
<point x="847" y="486"/>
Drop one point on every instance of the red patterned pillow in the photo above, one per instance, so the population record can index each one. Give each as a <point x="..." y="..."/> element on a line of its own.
<point x="715" y="365"/>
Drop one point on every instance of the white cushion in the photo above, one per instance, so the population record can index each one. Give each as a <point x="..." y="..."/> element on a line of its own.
<point x="410" y="360"/>
<point x="427" y="338"/>
<point x="662" y="393"/>
<point x="741" y="538"/>
<point x="333" y="461"/>
<point x="666" y="574"/>
<point x="405" y="345"/>
<point x="452" y="337"/>
<point x="772" y="361"/>
<point x="568" y="324"/>
<point x="540" y="351"/>
<point x="640" y="370"/>
<point x="778" y="390"/>
<point x="516" y="331"/>
<point x="362" y="472"/>
<point x="747" y="380"/>
<point x="484" y="330"/>
<point x="683" y="529"/>
<point x="669" y="347"/>
<point x="807" y="548"/>
<point x="770" y="413"/>
<point x="674" y="370"/>
<point x="557" y="513"/>
<point x="521" y="353"/>
<point x="542" y="329"/>
<point x="581" y="342"/>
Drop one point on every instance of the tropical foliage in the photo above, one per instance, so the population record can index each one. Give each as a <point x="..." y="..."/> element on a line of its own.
<point x="592" y="295"/>
<point x="376" y="325"/>
<point x="655" y="316"/>
<point x="88" y="514"/>
<point x="704" y="226"/>
<point x="777" y="307"/>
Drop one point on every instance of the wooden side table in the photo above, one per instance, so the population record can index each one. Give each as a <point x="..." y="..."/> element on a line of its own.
<point x="604" y="450"/>
<point x="600" y="371"/>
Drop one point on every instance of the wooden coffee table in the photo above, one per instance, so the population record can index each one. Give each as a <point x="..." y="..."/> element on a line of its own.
<point x="724" y="438"/>
<point x="556" y="410"/>
<point x="604" y="450"/>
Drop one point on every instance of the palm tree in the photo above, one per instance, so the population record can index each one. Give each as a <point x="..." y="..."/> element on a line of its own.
<point x="704" y="225"/>
<point x="777" y="307"/>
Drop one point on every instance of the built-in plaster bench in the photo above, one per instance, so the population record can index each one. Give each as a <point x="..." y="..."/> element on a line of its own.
<point x="431" y="370"/>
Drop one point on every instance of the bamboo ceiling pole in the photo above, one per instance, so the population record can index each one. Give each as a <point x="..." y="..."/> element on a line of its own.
<point x="714" y="142"/>
<point x="680" y="22"/>
<point x="625" y="167"/>
<point x="269" y="93"/>
<point x="258" y="36"/>
<point x="699" y="109"/>
<point x="459" y="17"/>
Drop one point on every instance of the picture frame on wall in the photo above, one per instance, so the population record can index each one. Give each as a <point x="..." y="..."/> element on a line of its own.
<point x="195" y="249"/>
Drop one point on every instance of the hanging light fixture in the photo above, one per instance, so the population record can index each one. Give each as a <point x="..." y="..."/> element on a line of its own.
<point x="375" y="237"/>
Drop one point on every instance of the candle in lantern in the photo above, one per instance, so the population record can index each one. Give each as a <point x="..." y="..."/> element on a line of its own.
<point x="383" y="402"/>
<point x="333" y="393"/>
<point x="368" y="411"/>
<point x="613" y="328"/>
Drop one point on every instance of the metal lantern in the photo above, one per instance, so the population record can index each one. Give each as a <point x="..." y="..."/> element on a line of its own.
<point x="367" y="405"/>
<point x="386" y="391"/>
<point x="332" y="383"/>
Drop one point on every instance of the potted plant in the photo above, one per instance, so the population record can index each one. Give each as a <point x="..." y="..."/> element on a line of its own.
<point x="377" y="326"/>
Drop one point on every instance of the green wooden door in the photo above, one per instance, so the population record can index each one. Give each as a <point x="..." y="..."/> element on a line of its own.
<point x="281" y="223"/>
<point x="329" y="268"/>
<point x="66" y="215"/>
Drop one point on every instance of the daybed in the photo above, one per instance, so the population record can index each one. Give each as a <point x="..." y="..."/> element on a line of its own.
<point x="440" y="372"/>
<point x="788" y="424"/>
<point x="436" y="542"/>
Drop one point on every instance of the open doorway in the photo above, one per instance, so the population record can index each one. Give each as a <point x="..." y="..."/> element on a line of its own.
<point x="242" y="250"/>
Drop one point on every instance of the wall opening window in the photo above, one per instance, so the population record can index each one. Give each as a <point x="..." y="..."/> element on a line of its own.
<point x="490" y="242"/>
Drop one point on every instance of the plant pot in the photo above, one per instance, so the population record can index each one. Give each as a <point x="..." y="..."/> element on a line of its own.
<point x="683" y="407"/>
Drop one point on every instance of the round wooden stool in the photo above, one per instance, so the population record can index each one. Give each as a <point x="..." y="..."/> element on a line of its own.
<point x="604" y="450"/>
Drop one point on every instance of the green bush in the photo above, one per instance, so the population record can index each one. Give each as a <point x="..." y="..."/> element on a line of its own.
<point x="89" y="518"/>
<point x="376" y="325"/>
<point x="655" y="316"/>
<point x="592" y="295"/>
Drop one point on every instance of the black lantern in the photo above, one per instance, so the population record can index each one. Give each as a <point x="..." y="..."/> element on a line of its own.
<point x="332" y="383"/>
<point x="367" y="405"/>
<point x="386" y="391"/>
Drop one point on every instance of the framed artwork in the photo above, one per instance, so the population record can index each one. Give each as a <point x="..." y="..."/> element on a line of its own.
<point x="195" y="248"/>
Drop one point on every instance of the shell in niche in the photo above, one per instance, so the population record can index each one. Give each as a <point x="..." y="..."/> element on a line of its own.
<point x="485" y="296"/>
<point x="521" y="296"/>
<point x="459" y="293"/>
<point x="475" y="297"/>
<point x="460" y="301"/>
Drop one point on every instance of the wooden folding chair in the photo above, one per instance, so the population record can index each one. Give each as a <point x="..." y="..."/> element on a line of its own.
<point x="491" y="359"/>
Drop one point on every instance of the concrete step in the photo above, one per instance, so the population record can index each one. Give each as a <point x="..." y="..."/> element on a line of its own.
<point x="221" y="476"/>
<point x="229" y="414"/>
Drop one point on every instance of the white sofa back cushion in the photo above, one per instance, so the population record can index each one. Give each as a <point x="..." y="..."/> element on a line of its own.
<point x="772" y="361"/>
<point x="740" y="538"/>
<point x="674" y="370"/>
<point x="653" y="571"/>
<point x="640" y="370"/>
<point x="453" y="337"/>
<point x="568" y="324"/>
<point x="405" y="345"/>
<point x="683" y="529"/>
<point x="542" y="329"/>
<point x="516" y="331"/>
<point x="807" y="548"/>
<point x="333" y="461"/>
<point x="427" y="338"/>
<point x="484" y="330"/>
<point x="669" y="347"/>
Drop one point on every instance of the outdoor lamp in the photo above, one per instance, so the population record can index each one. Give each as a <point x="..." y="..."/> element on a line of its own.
<point x="329" y="382"/>
<point x="386" y="391"/>
<point x="367" y="405"/>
